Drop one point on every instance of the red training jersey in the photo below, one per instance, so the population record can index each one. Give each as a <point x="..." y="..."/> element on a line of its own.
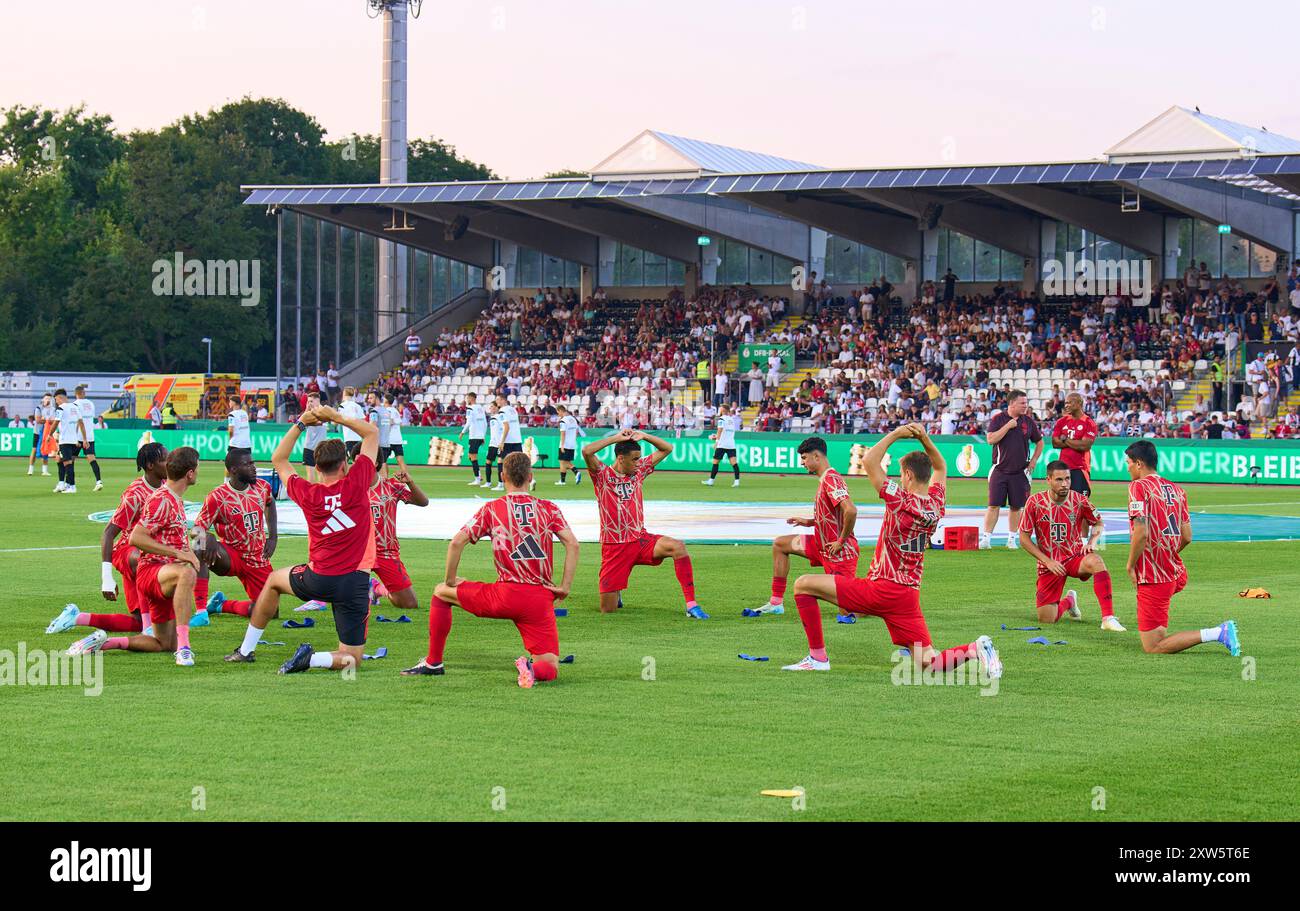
<point x="910" y="521"/>
<point x="240" y="519"/>
<point x="164" y="519"/>
<point x="1058" y="528"/>
<point x="826" y="511"/>
<point x="1068" y="428"/>
<point x="1163" y="505"/>
<point x="129" y="509"/>
<point x="618" y="497"/>
<point x="340" y="531"/>
<point x="384" y="497"/>
<point x="522" y="528"/>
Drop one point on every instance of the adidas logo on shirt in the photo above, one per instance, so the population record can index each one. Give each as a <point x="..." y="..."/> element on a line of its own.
<point x="528" y="549"/>
<point x="338" y="521"/>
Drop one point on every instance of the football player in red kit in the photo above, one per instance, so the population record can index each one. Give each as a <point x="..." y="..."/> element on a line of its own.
<point x="243" y="511"/>
<point x="624" y="542"/>
<point x="1073" y="434"/>
<point x="1160" y="528"/>
<point x="521" y="528"/>
<point x="393" y="580"/>
<point x="914" y="504"/>
<point x="1051" y="531"/>
<point x="832" y="544"/>
<point x="117" y="553"/>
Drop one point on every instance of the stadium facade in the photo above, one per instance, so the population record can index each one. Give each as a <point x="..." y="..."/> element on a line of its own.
<point x="664" y="211"/>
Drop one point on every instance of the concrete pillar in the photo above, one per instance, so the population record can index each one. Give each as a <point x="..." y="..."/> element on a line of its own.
<point x="606" y="256"/>
<point x="930" y="255"/>
<point x="691" y="281"/>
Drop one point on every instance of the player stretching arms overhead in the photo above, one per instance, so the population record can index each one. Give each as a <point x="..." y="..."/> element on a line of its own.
<point x="340" y="544"/>
<point x="832" y="545"/>
<point x="117" y="553"/>
<point x="243" y="512"/>
<point x="1051" y="531"/>
<point x="521" y="528"/>
<point x="394" y="581"/>
<point x="476" y="425"/>
<point x="624" y="542"/>
<point x="165" y="573"/>
<point x="1159" y="529"/>
<point x="569" y="433"/>
<point x="724" y="438"/>
<point x="1073" y="434"/>
<point x="914" y="504"/>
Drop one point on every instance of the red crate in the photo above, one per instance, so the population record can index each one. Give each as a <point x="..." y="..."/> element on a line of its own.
<point x="961" y="537"/>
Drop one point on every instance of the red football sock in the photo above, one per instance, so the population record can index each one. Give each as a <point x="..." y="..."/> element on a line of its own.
<point x="112" y="623"/>
<point x="240" y="608"/>
<point x="439" y="628"/>
<point x="1061" y="608"/>
<point x="543" y="671"/>
<point x="201" y="594"/>
<point x="778" y="589"/>
<point x="182" y="636"/>
<point x="810" y="614"/>
<point x="949" y="658"/>
<point x="685" y="577"/>
<point x="1101" y="588"/>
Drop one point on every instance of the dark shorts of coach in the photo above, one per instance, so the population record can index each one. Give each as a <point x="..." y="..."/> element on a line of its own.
<point x="474" y="445"/>
<point x="68" y="451"/>
<point x="511" y="447"/>
<point x="566" y="455"/>
<point x="397" y="449"/>
<point x="492" y="454"/>
<point x="88" y="449"/>
<point x="1079" y="482"/>
<point x="348" y="594"/>
<point x="309" y="458"/>
<point x="720" y="454"/>
<point x="1008" y="488"/>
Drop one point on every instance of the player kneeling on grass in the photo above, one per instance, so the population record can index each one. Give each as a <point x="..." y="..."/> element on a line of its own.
<point x="340" y="544"/>
<point x="624" y="542"/>
<point x="891" y="591"/>
<point x="1159" y="529"/>
<point x="393" y="581"/>
<point x="242" y="510"/>
<point x="832" y="545"/>
<point x="521" y="528"/>
<point x="1051" y="531"/>
<point x="117" y="552"/>
<point x="166" y="569"/>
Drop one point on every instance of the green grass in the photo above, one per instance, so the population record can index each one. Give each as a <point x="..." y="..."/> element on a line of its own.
<point x="1180" y="737"/>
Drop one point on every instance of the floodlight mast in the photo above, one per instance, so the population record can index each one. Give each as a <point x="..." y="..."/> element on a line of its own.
<point x="392" y="153"/>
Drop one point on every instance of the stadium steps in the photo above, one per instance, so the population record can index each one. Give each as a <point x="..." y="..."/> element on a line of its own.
<point x="1201" y="385"/>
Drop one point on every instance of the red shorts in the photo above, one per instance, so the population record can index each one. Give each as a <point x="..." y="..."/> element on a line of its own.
<point x="1153" y="602"/>
<point x="391" y="573"/>
<point x="898" y="605"/>
<point x="1050" y="586"/>
<point x="531" y="607"/>
<point x="253" y="578"/>
<point x="844" y="565"/>
<point x="122" y="563"/>
<point x="149" y="593"/>
<point x="617" y="560"/>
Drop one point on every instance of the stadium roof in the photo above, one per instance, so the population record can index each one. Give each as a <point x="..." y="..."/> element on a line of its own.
<point x="659" y="192"/>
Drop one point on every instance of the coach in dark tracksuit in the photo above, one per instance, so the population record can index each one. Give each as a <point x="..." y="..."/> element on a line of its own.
<point x="1010" y="432"/>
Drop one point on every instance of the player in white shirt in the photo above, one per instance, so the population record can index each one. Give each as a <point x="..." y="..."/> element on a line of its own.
<point x="377" y="414"/>
<point x="87" y="440"/>
<point x="725" y="443"/>
<point x="476" y="425"/>
<point x="72" y="429"/>
<point x="512" y="438"/>
<point x="495" y="430"/>
<point x="395" y="443"/>
<point x="41" y="421"/>
<point x="569" y="433"/>
<point x="351" y="408"/>
<point x="239" y="435"/>
<point x="312" y="437"/>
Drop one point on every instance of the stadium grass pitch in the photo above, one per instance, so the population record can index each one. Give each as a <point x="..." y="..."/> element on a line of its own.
<point x="1195" y="736"/>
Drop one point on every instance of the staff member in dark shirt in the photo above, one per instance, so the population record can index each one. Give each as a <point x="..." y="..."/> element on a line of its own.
<point x="1010" y="432"/>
